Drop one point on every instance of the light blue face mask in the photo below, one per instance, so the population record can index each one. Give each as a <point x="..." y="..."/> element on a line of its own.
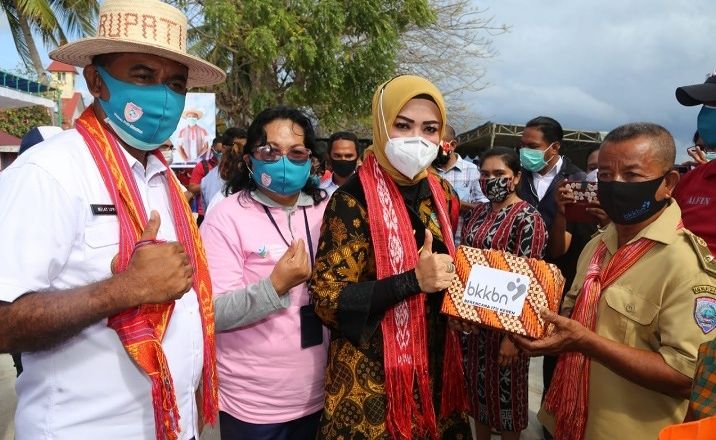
<point x="706" y="125"/>
<point x="282" y="177"/>
<point x="532" y="159"/>
<point x="710" y="155"/>
<point x="142" y="116"/>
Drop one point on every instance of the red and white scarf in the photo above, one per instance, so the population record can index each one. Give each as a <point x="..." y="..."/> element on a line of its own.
<point x="568" y="396"/>
<point x="142" y="328"/>
<point x="404" y="326"/>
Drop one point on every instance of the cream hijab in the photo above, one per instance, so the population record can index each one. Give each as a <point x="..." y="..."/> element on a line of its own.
<point x="395" y="94"/>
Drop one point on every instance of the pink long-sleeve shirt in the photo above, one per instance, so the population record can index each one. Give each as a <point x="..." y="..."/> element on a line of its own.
<point x="264" y="374"/>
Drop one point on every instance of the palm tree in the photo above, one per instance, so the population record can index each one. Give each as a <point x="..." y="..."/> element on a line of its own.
<point x="51" y="20"/>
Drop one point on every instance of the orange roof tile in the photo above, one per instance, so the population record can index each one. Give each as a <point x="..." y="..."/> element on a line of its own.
<point x="57" y="66"/>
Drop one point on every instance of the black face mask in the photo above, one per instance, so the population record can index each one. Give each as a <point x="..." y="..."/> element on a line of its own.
<point x="344" y="168"/>
<point x="628" y="203"/>
<point x="441" y="159"/>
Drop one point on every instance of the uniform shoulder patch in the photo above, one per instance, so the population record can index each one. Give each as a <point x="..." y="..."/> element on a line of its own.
<point x="707" y="259"/>
<point x="705" y="313"/>
<point x="704" y="288"/>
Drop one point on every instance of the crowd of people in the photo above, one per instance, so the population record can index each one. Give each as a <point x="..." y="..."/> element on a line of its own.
<point x="306" y="305"/>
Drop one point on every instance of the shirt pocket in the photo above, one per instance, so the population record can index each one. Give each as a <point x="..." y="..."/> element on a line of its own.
<point x="632" y="316"/>
<point x="101" y="245"/>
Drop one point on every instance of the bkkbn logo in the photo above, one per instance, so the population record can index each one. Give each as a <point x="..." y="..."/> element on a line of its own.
<point x="519" y="287"/>
<point x="484" y="293"/>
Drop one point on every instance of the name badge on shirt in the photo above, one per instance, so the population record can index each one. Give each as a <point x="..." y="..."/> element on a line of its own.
<point x="103" y="209"/>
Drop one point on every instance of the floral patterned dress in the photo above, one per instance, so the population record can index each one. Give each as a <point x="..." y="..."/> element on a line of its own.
<point x="498" y="396"/>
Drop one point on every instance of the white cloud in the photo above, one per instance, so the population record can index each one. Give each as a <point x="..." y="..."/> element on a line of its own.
<point x="594" y="64"/>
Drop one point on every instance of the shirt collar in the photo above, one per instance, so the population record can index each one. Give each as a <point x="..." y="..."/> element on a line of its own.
<point x="551" y="174"/>
<point x="459" y="164"/>
<point x="303" y="200"/>
<point x="662" y="230"/>
<point x="154" y="165"/>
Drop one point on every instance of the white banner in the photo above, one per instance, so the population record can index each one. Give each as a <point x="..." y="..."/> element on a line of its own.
<point x="196" y="129"/>
<point x="497" y="290"/>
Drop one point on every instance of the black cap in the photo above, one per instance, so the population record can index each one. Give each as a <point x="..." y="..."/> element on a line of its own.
<point x="698" y="93"/>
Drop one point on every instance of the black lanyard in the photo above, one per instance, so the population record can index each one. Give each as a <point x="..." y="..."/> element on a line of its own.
<point x="308" y="231"/>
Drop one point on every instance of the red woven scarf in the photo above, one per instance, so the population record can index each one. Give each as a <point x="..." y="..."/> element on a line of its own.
<point x="568" y="395"/>
<point x="142" y="328"/>
<point x="404" y="326"/>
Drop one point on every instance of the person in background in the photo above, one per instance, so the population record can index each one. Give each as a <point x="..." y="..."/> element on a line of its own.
<point x="382" y="265"/>
<point x="696" y="191"/>
<point x="342" y="160"/>
<point x="543" y="168"/>
<point x="260" y="243"/>
<point x="641" y="304"/>
<point x="37" y="135"/>
<point x="201" y="169"/>
<point x="104" y="286"/>
<point x="497" y="372"/>
<point x="464" y="176"/>
<point x="233" y="141"/>
<point x="193" y="138"/>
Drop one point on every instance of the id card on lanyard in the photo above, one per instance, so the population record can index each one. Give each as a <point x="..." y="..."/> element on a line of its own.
<point x="311" y="325"/>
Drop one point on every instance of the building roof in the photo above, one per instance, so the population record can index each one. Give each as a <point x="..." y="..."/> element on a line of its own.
<point x="8" y="139"/>
<point x="69" y="105"/>
<point x="57" y="66"/>
<point x="576" y="144"/>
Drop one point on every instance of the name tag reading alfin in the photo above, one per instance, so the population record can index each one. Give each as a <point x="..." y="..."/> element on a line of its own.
<point x="496" y="290"/>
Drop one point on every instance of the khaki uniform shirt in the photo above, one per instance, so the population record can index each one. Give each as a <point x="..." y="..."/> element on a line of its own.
<point x="655" y="306"/>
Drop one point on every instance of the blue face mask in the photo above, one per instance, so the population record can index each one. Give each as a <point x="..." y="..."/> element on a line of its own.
<point x="706" y="124"/>
<point x="533" y="159"/>
<point x="710" y="155"/>
<point x="282" y="177"/>
<point x="142" y="116"/>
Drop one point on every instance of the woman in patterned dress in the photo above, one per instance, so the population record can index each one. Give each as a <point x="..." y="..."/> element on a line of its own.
<point x="383" y="261"/>
<point x="496" y="371"/>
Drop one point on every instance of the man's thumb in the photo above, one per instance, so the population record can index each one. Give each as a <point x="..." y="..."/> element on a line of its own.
<point x="152" y="227"/>
<point x="427" y="248"/>
<point x="549" y="316"/>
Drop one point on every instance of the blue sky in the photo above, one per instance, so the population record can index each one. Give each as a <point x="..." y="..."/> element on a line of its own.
<point x="591" y="64"/>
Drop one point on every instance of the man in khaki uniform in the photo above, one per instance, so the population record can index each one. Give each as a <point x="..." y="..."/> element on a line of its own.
<point x="641" y="304"/>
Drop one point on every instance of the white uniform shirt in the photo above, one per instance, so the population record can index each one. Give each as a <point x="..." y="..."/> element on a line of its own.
<point x="542" y="183"/>
<point x="87" y="387"/>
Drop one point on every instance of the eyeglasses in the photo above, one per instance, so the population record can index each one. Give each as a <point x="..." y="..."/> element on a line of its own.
<point x="269" y="153"/>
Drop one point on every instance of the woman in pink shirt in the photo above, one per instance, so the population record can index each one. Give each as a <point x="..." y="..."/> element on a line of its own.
<point x="260" y="243"/>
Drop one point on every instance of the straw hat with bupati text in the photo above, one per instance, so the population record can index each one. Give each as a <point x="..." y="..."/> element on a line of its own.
<point x="147" y="26"/>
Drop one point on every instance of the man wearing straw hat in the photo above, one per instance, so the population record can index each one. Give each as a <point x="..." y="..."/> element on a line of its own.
<point x="193" y="141"/>
<point x="103" y="280"/>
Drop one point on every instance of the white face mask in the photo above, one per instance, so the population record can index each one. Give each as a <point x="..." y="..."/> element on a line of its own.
<point x="591" y="176"/>
<point x="168" y="156"/>
<point x="410" y="155"/>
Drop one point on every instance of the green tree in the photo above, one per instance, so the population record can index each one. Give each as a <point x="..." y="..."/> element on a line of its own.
<point x="19" y="121"/>
<point x="51" y="20"/>
<point x="323" y="56"/>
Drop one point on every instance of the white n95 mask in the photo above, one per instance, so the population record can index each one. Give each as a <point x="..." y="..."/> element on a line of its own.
<point x="410" y="155"/>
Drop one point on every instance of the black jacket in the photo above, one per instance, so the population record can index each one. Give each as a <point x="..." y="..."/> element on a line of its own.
<point x="547" y="207"/>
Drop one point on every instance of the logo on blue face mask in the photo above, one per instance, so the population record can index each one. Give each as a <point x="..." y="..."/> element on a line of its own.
<point x="142" y="116"/>
<point x="283" y="176"/>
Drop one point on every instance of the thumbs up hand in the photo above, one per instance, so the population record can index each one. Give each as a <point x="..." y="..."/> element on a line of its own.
<point x="158" y="272"/>
<point x="434" y="272"/>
